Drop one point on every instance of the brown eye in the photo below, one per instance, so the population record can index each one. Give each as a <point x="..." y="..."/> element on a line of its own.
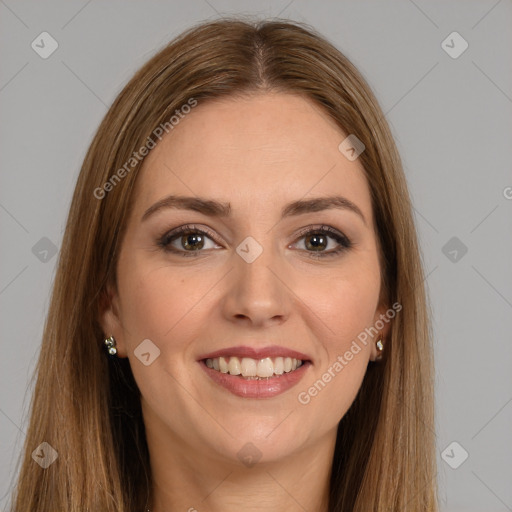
<point x="316" y="241"/>
<point x="186" y="241"/>
<point x="193" y="241"/>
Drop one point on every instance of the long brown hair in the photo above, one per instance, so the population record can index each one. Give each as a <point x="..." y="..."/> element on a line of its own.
<point x="88" y="408"/>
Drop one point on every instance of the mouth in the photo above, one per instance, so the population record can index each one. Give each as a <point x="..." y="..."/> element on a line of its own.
<point x="251" y="373"/>
<point x="254" y="369"/>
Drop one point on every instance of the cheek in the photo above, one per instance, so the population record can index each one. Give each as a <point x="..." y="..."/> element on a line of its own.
<point x="337" y="379"/>
<point x="347" y="309"/>
<point x="156" y="305"/>
<point x="351" y="310"/>
<point x="349" y="304"/>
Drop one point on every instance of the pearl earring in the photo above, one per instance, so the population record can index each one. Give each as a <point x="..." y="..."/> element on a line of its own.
<point x="380" y="347"/>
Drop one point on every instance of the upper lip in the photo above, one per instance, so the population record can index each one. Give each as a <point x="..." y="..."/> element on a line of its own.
<point x="256" y="353"/>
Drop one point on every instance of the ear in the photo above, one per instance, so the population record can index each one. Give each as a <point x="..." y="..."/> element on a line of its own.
<point x="110" y="319"/>
<point x="382" y="322"/>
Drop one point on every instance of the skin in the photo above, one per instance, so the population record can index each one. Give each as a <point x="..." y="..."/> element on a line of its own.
<point x="257" y="153"/>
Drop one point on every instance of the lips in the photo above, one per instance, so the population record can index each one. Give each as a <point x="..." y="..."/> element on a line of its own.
<point x="255" y="353"/>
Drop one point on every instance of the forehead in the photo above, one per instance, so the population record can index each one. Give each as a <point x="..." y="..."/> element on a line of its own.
<point x="278" y="147"/>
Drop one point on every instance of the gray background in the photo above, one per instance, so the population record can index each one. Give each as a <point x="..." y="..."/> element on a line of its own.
<point x="452" y="122"/>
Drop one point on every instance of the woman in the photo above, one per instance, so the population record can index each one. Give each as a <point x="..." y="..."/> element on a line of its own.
<point x="239" y="316"/>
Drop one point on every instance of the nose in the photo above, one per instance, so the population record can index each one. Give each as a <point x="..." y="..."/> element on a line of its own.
<point x="258" y="293"/>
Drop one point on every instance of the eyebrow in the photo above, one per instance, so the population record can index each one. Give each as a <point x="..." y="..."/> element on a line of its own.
<point x="214" y="208"/>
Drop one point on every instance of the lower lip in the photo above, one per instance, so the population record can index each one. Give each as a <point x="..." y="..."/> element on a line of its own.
<point x="264" y="388"/>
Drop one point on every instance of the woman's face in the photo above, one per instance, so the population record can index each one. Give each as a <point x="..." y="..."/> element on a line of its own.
<point x="263" y="285"/>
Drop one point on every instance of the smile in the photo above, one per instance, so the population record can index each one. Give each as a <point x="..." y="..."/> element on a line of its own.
<point x="254" y="369"/>
<point x="262" y="378"/>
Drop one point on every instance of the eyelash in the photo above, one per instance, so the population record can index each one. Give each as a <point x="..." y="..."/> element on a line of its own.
<point x="164" y="241"/>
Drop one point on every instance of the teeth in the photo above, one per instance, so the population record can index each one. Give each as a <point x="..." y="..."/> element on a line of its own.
<point x="265" y="367"/>
<point x="223" y="365"/>
<point x="249" y="367"/>
<point x="234" y="366"/>
<point x="279" y="366"/>
<point x="254" y="368"/>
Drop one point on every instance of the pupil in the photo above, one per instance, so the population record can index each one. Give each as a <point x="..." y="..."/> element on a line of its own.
<point x="196" y="238"/>
<point x="315" y="244"/>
